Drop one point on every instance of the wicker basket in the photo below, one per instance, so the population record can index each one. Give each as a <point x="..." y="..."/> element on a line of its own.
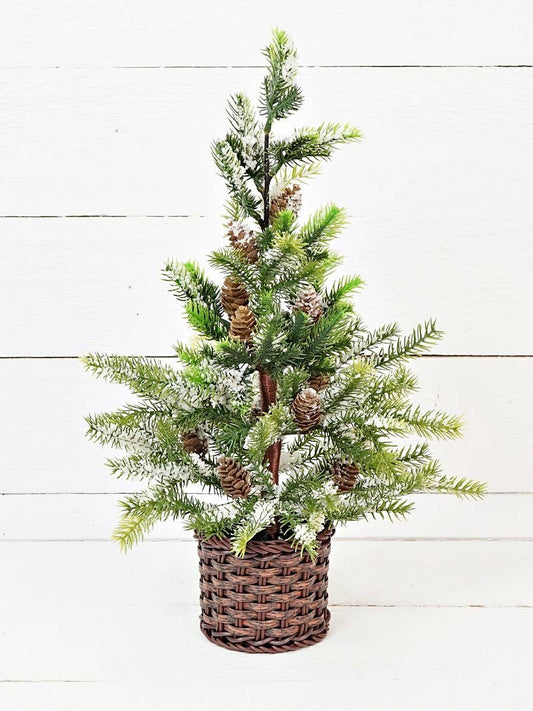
<point x="272" y="600"/>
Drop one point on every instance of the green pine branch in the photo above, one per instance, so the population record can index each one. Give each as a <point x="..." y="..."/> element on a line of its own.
<point x="323" y="226"/>
<point x="342" y="290"/>
<point x="296" y="174"/>
<point x="391" y="508"/>
<point x="418" y="342"/>
<point x="430" y="424"/>
<point x="309" y="144"/>
<point x="233" y="172"/>
<point x="279" y="96"/>
<point x="144" y="376"/>
<point x="206" y="321"/>
<point x="142" y="511"/>
<point x="269" y="428"/>
<point x="234" y="264"/>
<point x="189" y="283"/>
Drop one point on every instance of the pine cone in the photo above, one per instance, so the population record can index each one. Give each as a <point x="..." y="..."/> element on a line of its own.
<point x="344" y="475"/>
<point x="319" y="382"/>
<point x="234" y="478"/>
<point x="309" y="302"/>
<point x="289" y="199"/>
<point x="306" y="409"/>
<point x="193" y="442"/>
<point x="242" y="324"/>
<point x="255" y="412"/>
<point x="244" y="241"/>
<point x="233" y="294"/>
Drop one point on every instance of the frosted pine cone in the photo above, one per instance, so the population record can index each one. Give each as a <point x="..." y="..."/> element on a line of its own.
<point x="193" y="442"/>
<point x="242" y="324"/>
<point x="306" y="409"/>
<point x="344" y="475"/>
<point x="233" y="294"/>
<point x="244" y="241"/>
<point x="288" y="199"/>
<point x="319" y="382"/>
<point x="309" y="302"/>
<point x="234" y="478"/>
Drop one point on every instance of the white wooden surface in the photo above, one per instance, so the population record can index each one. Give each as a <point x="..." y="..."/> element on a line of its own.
<point x="165" y="32"/>
<point x="107" y="114"/>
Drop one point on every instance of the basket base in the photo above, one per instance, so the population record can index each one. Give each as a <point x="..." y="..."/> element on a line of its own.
<point x="264" y="647"/>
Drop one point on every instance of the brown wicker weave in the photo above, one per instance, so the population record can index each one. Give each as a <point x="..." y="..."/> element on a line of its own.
<point x="272" y="600"/>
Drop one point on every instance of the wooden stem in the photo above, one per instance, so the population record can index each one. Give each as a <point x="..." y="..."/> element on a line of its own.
<point x="268" y="386"/>
<point x="266" y="185"/>
<point x="269" y="389"/>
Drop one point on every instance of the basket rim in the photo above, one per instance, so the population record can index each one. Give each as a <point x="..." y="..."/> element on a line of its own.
<point x="255" y="547"/>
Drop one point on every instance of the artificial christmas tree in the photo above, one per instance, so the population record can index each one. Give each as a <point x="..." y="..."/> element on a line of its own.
<point x="283" y="364"/>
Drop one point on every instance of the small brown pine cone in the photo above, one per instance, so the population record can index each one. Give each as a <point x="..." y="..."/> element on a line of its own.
<point x="233" y="294"/>
<point x="255" y="412"/>
<point x="319" y="382"/>
<point x="234" y="478"/>
<point x="243" y="240"/>
<point x="344" y="475"/>
<point x="306" y="409"/>
<point x="242" y="324"/>
<point x="289" y="199"/>
<point x="309" y="302"/>
<point x="193" y="442"/>
<point x="249" y="249"/>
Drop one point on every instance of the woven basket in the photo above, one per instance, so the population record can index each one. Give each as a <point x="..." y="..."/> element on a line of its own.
<point x="272" y="600"/>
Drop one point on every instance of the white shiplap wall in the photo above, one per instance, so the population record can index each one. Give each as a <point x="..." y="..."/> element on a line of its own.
<point x="108" y="110"/>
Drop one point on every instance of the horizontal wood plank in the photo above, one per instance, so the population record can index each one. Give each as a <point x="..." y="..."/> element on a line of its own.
<point x="468" y="659"/>
<point x="55" y="517"/>
<point x="44" y="448"/>
<point x="439" y="208"/>
<point x="442" y="148"/>
<point x="163" y="32"/>
<point x="74" y="285"/>
<point x="96" y="575"/>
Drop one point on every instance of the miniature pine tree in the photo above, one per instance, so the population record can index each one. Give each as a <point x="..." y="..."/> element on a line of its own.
<point x="284" y="362"/>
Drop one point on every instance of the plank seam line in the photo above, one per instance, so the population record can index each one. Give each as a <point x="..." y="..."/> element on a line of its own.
<point x="323" y="66"/>
<point x="364" y="539"/>
<point x="198" y="493"/>
<point x="54" y="681"/>
<point x="436" y="606"/>
<point x="94" y="216"/>
<point x="174" y="357"/>
<point x="89" y="67"/>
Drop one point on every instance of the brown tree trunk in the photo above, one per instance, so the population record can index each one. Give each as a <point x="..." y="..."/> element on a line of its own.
<point x="268" y="386"/>
<point x="269" y="389"/>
